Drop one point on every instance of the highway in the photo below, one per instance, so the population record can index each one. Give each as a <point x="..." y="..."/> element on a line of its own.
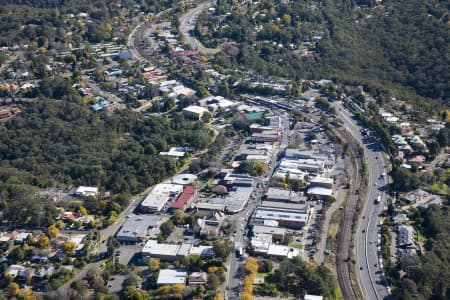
<point x="187" y="23"/>
<point x="368" y="263"/>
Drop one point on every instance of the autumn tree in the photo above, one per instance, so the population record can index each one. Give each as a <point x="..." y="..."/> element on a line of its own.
<point x="69" y="248"/>
<point x="52" y="231"/>
<point x="13" y="289"/>
<point x="44" y="242"/>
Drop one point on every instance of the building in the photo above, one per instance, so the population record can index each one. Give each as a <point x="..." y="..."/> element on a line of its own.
<point x="86" y="191"/>
<point x="194" y="112"/>
<point x="288" y="219"/>
<point x="277" y="233"/>
<point x="198" y="278"/>
<point x="312" y="297"/>
<point x="278" y="194"/>
<point x="169" y="277"/>
<point x="405" y="237"/>
<point x="164" y="252"/>
<point x="209" y="224"/>
<point x="185" y="199"/>
<point x="138" y="228"/>
<point x="158" y="197"/>
<point x="171" y="252"/>
<point x="321" y="182"/>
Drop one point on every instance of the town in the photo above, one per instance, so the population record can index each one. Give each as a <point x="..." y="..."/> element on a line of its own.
<point x="262" y="188"/>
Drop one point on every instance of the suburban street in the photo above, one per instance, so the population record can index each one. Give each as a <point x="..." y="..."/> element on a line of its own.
<point x="187" y="23"/>
<point x="369" y="267"/>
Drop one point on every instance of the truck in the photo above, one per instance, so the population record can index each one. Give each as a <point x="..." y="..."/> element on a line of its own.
<point x="238" y="250"/>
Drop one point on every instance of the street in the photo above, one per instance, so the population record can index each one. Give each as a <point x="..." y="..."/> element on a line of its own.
<point x="369" y="267"/>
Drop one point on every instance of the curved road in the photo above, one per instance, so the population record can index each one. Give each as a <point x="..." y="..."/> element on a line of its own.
<point x="368" y="260"/>
<point x="187" y="23"/>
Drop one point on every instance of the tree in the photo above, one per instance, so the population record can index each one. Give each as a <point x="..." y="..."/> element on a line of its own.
<point x="218" y="296"/>
<point x="178" y="217"/>
<point x="69" y="248"/>
<point x="44" y="242"/>
<point x="153" y="265"/>
<point x="222" y="248"/>
<point x="167" y="228"/>
<point x="17" y="254"/>
<point x="52" y="231"/>
<point x="82" y="210"/>
<point x="13" y="289"/>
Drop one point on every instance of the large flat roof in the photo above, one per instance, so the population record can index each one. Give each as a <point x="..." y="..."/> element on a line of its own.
<point x="281" y="206"/>
<point x="160" y="194"/>
<point x="152" y="247"/>
<point x="169" y="276"/>
<point x="269" y="214"/>
<point x="137" y="225"/>
<point x="318" y="190"/>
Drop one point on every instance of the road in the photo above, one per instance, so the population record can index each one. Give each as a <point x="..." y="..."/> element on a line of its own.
<point x="369" y="265"/>
<point x="233" y="281"/>
<point x="187" y="24"/>
<point x="132" y="44"/>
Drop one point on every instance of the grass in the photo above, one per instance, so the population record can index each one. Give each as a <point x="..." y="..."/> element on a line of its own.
<point x="296" y="245"/>
<point x="262" y="275"/>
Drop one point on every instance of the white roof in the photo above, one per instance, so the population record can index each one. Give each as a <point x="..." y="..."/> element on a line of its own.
<point x="319" y="179"/>
<point x="284" y="251"/>
<point x="169" y="276"/>
<point x="280" y="215"/>
<point x="22" y="236"/>
<point x="86" y="190"/>
<point x="313" y="297"/>
<point x="199" y="250"/>
<point x="195" y="109"/>
<point x="156" y="199"/>
<point x="152" y="247"/>
<point x="321" y="191"/>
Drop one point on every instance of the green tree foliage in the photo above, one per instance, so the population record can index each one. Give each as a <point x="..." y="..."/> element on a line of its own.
<point x="55" y="142"/>
<point x="427" y="276"/>
<point x="296" y="277"/>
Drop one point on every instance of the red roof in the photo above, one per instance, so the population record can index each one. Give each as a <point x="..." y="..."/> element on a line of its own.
<point x="189" y="189"/>
<point x="182" y="200"/>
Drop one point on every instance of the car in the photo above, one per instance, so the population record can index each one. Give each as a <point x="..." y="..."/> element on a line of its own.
<point x="364" y="231"/>
<point x="375" y="265"/>
<point x="361" y="268"/>
<point x="376" y="157"/>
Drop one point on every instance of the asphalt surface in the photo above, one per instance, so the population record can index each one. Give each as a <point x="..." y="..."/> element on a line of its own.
<point x="368" y="263"/>
<point x="187" y="24"/>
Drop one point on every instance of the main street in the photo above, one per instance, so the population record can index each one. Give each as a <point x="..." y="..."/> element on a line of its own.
<point x="233" y="280"/>
<point x="368" y="264"/>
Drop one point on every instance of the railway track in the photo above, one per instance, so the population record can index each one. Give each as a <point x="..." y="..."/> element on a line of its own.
<point x="345" y="235"/>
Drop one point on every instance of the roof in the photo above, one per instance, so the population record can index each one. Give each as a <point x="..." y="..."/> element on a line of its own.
<point x="313" y="297"/>
<point x="152" y="247"/>
<point x="269" y="214"/>
<point x="85" y="190"/>
<point x="281" y="206"/>
<point x="137" y="226"/>
<point x="195" y="109"/>
<point x="156" y="199"/>
<point x="169" y="276"/>
<point x="321" y="191"/>
<point x="257" y="229"/>
<point x="182" y="200"/>
<point x="319" y="179"/>
<point x="184" y="179"/>
<point x="284" y="251"/>
<point x="277" y="193"/>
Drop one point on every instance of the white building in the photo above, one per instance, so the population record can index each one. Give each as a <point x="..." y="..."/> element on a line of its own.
<point x="194" y="112"/>
<point x="169" y="276"/>
<point x="86" y="191"/>
<point x="159" y="196"/>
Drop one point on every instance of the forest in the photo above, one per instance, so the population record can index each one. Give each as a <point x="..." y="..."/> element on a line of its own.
<point x="62" y="142"/>
<point x="401" y="47"/>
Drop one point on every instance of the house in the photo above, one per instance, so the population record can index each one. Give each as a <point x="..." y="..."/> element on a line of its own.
<point x="312" y="297"/>
<point x="405" y="237"/>
<point x="169" y="277"/>
<point x="86" y="191"/>
<point x="14" y="270"/>
<point x="415" y="196"/>
<point x="198" y="278"/>
<point x="400" y="219"/>
<point x="194" y="112"/>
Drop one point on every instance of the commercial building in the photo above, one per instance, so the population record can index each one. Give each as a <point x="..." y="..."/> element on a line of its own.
<point x="185" y="199"/>
<point x="277" y="233"/>
<point x="159" y="196"/>
<point x="138" y="228"/>
<point x="288" y="219"/>
<point x="171" y="252"/>
<point x="171" y="277"/>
